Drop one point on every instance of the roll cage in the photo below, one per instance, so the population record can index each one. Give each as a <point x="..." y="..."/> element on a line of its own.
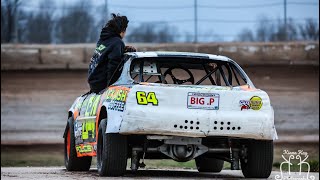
<point x="218" y="72"/>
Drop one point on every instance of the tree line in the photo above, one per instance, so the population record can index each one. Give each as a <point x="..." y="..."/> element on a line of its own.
<point x="77" y="24"/>
<point x="270" y="31"/>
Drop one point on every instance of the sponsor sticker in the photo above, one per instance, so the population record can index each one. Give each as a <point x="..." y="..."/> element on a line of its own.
<point x="244" y="104"/>
<point x="254" y="103"/>
<point x="84" y="148"/>
<point x="117" y="98"/>
<point x="209" y="101"/>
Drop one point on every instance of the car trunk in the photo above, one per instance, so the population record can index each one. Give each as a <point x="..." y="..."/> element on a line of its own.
<point x="198" y="111"/>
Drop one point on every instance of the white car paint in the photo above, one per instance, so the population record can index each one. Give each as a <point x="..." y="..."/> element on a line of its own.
<point x="172" y="110"/>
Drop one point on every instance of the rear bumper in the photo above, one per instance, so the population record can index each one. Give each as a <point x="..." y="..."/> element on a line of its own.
<point x="251" y="125"/>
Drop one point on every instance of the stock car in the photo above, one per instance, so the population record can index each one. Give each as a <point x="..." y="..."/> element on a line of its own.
<point x="173" y="105"/>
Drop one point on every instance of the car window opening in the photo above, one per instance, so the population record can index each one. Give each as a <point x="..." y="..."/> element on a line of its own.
<point x="186" y="71"/>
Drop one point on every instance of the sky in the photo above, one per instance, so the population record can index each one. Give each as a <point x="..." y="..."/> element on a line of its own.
<point x="218" y="20"/>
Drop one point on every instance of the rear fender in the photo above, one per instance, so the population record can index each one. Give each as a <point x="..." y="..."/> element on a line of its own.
<point x="115" y="103"/>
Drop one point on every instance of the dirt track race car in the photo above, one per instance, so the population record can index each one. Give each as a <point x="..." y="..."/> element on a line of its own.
<point x="173" y="105"/>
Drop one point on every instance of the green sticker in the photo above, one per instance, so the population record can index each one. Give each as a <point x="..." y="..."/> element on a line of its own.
<point x="101" y="47"/>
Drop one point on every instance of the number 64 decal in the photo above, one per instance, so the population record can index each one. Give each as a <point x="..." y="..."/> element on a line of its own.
<point x="144" y="98"/>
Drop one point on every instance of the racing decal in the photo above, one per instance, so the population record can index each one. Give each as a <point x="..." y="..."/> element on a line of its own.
<point x="84" y="105"/>
<point x="116" y="98"/>
<point x="244" y="104"/>
<point x="88" y="130"/>
<point x="254" y="103"/>
<point x="209" y="101"/>
<point x="144" y="98"/>
<point x="91" y="107"/>
<point x="84" y="131"/>
<point x="84" y="148"/>
<point x="88" y="149"/>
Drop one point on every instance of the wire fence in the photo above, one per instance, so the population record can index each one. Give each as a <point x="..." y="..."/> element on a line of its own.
<point x="103" y="5"/>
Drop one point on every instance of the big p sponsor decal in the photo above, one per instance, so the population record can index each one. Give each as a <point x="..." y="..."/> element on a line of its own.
<point x="209" y="101"/>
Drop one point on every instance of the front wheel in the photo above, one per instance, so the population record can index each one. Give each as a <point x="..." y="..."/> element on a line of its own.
<point x="71" y="161"/>
<point x="111" y="152"/>
<point x="259" y="159"/>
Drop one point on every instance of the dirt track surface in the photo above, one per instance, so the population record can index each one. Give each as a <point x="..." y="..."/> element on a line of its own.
<point x="34" y="104"/>
<point x="61" y="173"/>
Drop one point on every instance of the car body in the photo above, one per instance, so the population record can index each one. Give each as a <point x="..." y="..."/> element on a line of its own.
<point x="153" y="111"/>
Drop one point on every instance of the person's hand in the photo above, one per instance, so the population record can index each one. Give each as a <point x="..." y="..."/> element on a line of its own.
<point x="130" y="49"/>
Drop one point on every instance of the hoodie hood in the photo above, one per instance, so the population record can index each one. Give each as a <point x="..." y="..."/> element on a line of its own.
<point x="107" y="33"/>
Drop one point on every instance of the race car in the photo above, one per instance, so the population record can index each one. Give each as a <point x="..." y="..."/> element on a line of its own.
<point x="173" y="105"/>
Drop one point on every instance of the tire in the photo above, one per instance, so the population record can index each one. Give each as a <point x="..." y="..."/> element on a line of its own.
<point x="71" y="161"/>
<point x="112" y="151"/>
<point x="205" y="164"/>
<point x="259" y="159"/>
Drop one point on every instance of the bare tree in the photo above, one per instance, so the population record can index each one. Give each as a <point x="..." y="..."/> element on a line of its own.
<point x="280" y="33"/>
<point x="292" y="30"/>
<point x="39" y="28"/>
<point x="150" y="32"/>
<point x="40" y="24"/>
<point x="22" y="26"/>
<point x="264" y="29"/>
<point x="310" y="30"/>
<point x="76" y="25"/>
<point x="277" y="32"/>
<point x="246" y="35"/>
<point x="4" y="28"/>
<point x="9" y="9"/>
<point x="143" y="33"/>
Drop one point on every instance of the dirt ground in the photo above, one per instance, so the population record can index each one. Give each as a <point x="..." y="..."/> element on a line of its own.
<point x="60" y="173"/>
<point x="34" y="104"/>
<point x="34" y="107"/>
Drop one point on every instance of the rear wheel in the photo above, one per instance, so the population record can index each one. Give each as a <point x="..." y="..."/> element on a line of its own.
<point x="71" y="161"/>
<point x="259" y="159"/>
<point x="205" y="164"/>
<point x="111" y="152"/>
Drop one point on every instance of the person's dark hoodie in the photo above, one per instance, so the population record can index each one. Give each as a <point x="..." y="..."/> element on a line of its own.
<point x="105" y="60"/>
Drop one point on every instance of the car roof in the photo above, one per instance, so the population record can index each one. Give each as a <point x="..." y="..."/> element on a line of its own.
<point x="178" y="54"/>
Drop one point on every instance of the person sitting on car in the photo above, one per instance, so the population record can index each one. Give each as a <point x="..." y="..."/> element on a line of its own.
<point x="108" y="53"/>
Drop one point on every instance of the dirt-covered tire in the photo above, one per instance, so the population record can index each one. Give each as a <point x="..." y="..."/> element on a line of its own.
<point x="259" y="159"/>
<point x="71" y="161"/>
<point x="111" y="152"/>
<point x="205" y="164"/>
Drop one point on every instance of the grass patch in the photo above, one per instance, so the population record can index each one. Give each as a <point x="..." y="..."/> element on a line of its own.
<point x="22" y="156"/>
